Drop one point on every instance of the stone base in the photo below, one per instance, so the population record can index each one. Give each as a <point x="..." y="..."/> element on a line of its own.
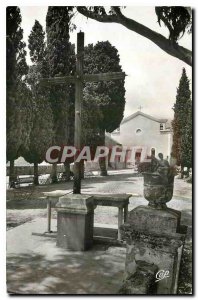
<point x="142" y="282"/>
<point x="152" y="236"/>
<point x="75" y="221"/>
<point x="75" y="231"/>
<point x="148" y="218"/>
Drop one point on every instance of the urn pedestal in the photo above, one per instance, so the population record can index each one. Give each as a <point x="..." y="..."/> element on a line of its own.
<point x="154" y="239"/>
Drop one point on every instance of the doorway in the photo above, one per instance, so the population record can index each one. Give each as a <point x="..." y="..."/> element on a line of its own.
<point x="152" y="151"/>
<point x="138" y="156"/>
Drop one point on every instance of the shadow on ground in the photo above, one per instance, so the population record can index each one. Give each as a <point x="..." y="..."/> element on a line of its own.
<point x="90" y="272"/>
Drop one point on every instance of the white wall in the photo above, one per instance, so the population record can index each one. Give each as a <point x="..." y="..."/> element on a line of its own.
<point x="150" y="135"/>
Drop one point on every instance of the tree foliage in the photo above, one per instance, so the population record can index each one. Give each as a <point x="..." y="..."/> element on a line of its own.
<point x="41" y="134"/>
<point x="36" y="43"/>
<point x="103" y="102"/>
<point x="18" y="104"/>
<point x="186" y="140"/>
<point x="176" y="18"/>
<point x="61" y="62"/>
<point x="108" y="97"/>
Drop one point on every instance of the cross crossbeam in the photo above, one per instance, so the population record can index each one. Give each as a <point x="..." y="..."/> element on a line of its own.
<point x="85" y="77"/>
<point x="78" y="79"/>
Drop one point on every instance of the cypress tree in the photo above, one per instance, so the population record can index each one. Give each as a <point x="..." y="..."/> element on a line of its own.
<point x="41" y="134"/>
<point x="181" y="114"/>
<point x="18" y="104"/>
<point x="36" y="43"/>
<point x="61" y="62"/>
<point x="186" y="140"/>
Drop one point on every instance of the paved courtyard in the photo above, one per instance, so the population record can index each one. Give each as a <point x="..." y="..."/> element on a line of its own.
<point x="36" y="265"/>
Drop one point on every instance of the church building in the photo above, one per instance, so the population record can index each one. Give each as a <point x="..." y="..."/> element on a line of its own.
<point x="141" y="130"/>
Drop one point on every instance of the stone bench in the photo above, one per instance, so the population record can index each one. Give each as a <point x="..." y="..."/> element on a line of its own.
<point x="52" y="199"/>
<point x="120" y="201"/>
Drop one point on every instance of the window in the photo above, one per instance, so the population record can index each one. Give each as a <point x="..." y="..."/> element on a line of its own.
<point x="138" y="131"/>
<point x="161" y="126"/>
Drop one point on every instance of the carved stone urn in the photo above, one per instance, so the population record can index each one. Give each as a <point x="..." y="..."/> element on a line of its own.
<point x="158" y="188"/>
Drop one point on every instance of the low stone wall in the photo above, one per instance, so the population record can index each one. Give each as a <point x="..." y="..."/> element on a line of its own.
<point x="29" y="170"/>
<point x="89" y="166"/>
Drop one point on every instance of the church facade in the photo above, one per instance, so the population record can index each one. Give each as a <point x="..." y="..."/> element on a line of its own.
<point x="143" y="131"/>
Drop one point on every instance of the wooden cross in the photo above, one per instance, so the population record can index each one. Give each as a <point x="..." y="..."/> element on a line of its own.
<point x="78" y="79"/>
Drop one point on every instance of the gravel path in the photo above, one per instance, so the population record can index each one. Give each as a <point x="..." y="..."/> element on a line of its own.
<point x="29" y="203"/>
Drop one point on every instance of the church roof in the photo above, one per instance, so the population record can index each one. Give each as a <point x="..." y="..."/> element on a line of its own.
<point x="144" y="115"/>
<point x="109" y="141"/>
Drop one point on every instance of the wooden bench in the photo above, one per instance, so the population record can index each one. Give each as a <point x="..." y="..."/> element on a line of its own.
<point x="23" y="180"/>
<point x="120" y="201"/>
<point x="61" y="176"/>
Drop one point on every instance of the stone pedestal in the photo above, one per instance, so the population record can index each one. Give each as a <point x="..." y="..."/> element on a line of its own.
<point x="153" y="236"/>
<point x="75" y="221"/>
<point x="157" y="220"/>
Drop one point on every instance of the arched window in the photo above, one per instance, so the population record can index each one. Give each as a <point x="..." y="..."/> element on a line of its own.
<point x="138" y="131"/>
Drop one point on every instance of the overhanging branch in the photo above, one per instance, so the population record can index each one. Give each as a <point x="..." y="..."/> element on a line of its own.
<point x="165" y="44"/>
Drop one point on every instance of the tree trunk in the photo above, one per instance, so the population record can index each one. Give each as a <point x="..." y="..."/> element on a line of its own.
<point x="102" y="164"/>
<point x="54" y="173"/>
<point x="82" y="170"/>
<point x="182" y="172"/>
<point x="102" y="160"/>
<point x="67" y="171"/>
<point x="77" y="179"/>
<point x="36" y="177"/>
<point x="12" y="175"/>
<point x="188" y="171"/>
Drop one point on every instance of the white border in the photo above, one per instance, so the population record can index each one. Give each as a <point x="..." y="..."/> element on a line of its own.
<point x="5" y="3"/>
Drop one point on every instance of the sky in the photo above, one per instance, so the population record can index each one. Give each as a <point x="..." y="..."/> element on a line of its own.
<point x="152" y="75"/>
